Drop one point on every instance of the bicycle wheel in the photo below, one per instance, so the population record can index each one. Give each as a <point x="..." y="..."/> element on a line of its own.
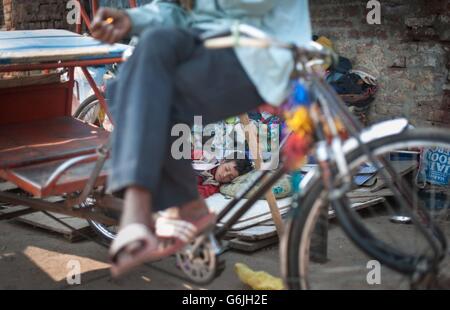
<point x="107" y="233"/>
<point x="373" y="247"/>
<point x="91" y="112"/>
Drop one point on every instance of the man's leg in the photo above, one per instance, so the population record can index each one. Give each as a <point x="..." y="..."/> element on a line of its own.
<point x="213" y="85"/>
<point x="178" y="188"/>
<point x="141" y="99"/>
<point x="141" y="104"/>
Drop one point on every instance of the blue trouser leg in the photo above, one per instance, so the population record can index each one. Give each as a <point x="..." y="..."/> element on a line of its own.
<point x="169" y="79"/>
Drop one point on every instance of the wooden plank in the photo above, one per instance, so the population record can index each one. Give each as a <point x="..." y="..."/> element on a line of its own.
<point x="255" y="221"/>
<point x="40" y="219"/>
<point x="252" y="140"/>
<point x="14" y="212"/>
<point x="256" y="237"/>
<point x="360" y="198"/>
<point x="254" y="233"/>
<point x="43" y="221"/>
<point x="261" y="214"/>
<point x="401" y="168"/>
<point x="363" y="199"/>
<point x="267" y="223"/>
<point x="6" y="186"/>
<point x="217" y="202"/>
<point x="11" y="212"/>
<point x="58" y="207"/>
<point x="275" y="212"/>
<point x="266" y="218"/>
<point x="361" y="192"/>
<point x="247" y="246"/>
<point x="360" y="205"/>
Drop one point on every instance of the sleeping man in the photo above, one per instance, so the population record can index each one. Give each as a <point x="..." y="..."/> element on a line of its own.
<point x="211" y="175"/>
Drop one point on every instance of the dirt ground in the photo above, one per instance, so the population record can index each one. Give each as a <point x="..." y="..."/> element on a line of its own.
<point x="31" y="258"/>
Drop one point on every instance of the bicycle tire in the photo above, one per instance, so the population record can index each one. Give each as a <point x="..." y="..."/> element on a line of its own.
<point x="102" y="231"/>
<point x="84" y="107"/>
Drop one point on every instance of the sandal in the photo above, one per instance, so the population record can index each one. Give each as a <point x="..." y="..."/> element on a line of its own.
<point x="147" y="248"/>
<point x="178" y="233"/>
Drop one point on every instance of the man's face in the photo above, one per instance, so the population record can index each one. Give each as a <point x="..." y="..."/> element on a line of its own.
<point x="226" y="172"/>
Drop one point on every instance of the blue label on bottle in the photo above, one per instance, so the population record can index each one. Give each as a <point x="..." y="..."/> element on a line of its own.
<point x="436" y="165"/>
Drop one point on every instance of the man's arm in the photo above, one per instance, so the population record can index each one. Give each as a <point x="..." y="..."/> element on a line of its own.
<point x="159" y="12"/>
<point x="112" y="25"/>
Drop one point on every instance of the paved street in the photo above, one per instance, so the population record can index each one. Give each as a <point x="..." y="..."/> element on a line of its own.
<point x="35" y="259"/>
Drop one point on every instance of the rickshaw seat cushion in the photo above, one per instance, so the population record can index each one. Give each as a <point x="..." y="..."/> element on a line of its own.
<point x="33" y="178"/>
<point x="47" y="140"/>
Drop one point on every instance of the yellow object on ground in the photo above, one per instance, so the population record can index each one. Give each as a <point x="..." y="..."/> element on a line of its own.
<point x="257" y="280"/>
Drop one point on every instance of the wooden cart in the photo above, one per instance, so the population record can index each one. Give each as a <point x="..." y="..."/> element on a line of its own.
<point x="43" y="149"/>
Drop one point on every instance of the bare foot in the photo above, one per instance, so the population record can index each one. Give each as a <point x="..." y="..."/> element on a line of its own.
<point x="137" y="210"/>
<point x="194" y="210"/>
<point x="137" y="207"/>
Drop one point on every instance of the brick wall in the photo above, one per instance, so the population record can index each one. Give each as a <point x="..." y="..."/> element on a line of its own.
<point x="2" y="18"/>
<point x="39" y="14"/>
<point x="5" y="12"/>
<point x="35" y="14"/>
<point x="408" y="51"/>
